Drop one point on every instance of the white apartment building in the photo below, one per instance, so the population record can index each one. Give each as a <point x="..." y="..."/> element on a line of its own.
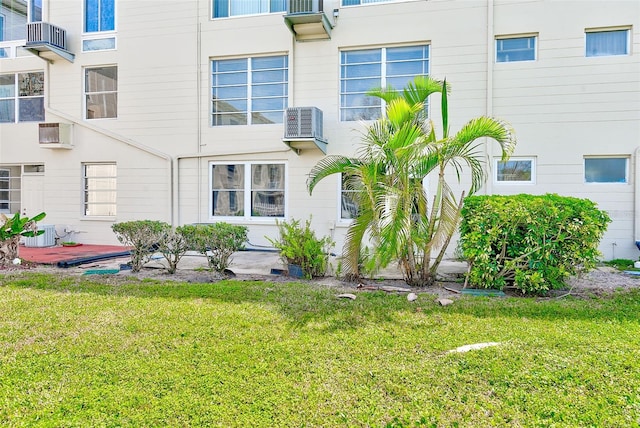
<point x="197" y="111"/>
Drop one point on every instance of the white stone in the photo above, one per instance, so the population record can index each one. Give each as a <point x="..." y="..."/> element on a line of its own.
<point x="347" y="296"/>
<point x="445" y="302"/>
<point x="17" y="261"/>
<point x="412" y="297"/>
<point x="467" y="348"/>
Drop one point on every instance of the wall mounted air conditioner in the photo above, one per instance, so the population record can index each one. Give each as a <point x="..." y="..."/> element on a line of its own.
<point x="304" y="6"/>
<point x="303" y="128"/>
<point x="55" y="135"/>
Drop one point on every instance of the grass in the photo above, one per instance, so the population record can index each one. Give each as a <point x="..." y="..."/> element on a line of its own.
<point x="81" y="353"/>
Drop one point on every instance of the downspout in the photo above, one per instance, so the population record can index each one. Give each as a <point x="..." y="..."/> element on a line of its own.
<point x="489" y="100"/>
<point x="199" y="142"/>
<point x="636" y="213"/>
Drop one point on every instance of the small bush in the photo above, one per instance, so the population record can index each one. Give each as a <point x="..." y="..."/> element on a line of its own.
<point x="217" y="241"/>
<point x="173" y="246"/>
<point x="531" y="242"/>
<point x="144" y="236"/>
<point x="299" y="246"/>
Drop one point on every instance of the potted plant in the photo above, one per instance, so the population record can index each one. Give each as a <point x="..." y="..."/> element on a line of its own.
<point x="304" y="254"/>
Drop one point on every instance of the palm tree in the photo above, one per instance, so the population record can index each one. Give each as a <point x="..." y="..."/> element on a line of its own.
<point x="387" y="173"/>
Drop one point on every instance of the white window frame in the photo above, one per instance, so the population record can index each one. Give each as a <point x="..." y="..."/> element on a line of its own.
<point x="6" y="180"/>
<point x="248" y="192"/>
<point x="85" y="93"/>
<point x="383" y="75"/>
<point x="85" y="190"/>
<point x="500" y="38"/>
<point x="496" y="163"/>
<point x="89" y="36"/>
<point x="249" y="83"/>
<point x="30" y="6"/>
<point x="366" y="2"/>
<point x="626" y="29"/>
<point x="213" y="11"/>
<point x="339" y="212"/>
<point x="16" y="96"/>
<point x="599" y="183"/>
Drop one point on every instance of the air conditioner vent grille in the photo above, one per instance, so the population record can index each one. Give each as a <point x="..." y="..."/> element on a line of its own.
<point x="303" y="122"/>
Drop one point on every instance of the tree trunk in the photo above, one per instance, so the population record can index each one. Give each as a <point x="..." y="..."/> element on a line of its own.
<point x="9" y="250"/>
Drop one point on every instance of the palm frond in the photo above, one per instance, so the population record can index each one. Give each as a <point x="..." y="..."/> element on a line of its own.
<point x="332" y="164"/>
<point x="421" y="88"/>
<point x="488" y="127"/>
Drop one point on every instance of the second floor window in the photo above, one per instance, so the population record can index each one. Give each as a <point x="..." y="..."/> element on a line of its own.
<point x="359" y="2"/>
<point x="363" y="70"/>
<point x="99" y="15"/>
<point x="101" y="92"/>
<point x="606" y="43"/>
<point x="513" y="49"/>
<point x="14" y="14"/>
<point x="226" y="8"/>
<point x="249" y="91"/>
<point x="22" y="97"/>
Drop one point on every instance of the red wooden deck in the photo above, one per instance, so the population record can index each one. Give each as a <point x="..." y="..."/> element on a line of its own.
<point x="60" y="255"/>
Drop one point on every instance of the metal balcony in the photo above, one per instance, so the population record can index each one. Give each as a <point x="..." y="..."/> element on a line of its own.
<point x="47" y="41"/>
<point x="307" y="21"/>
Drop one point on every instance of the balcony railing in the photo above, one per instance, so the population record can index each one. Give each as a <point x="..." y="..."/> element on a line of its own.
<point x="43" y="32"/>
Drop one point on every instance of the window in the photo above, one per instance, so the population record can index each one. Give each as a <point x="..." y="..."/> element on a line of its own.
<point x="225" y="8"/>
<point x="9" y="189"/>
<point x="99" y="15"/>
<point x="348" y="200"/>
<point x="605" y="43"/>
<point x="363" y="70"/>
<point x="249" y="90"/>
<point x="22" y="97"/>
<point x="14" y="15"/>
<point x="35" y="11"/>
<point x="606" y="170"/>
<point x="513" y="49"/>
<point x="261" y="187"/>
<point x="101" y="92"/>
<point x="359" y="2"/>
<point x="99" y="189"/>
<point x="99" y="25"/>
<point x="515" y="171"/>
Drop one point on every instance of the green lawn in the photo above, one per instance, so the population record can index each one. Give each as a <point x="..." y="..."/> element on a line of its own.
<point x="77" y="353"/>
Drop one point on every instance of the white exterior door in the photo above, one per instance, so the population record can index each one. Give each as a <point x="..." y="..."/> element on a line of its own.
<point x="32" y="194"/>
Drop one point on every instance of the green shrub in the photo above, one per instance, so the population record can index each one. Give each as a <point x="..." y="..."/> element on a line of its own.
<point x="299" y="246"/>
<point x="217" y="241"/>
<point x="144" y="236"/>
<point x="173" y="246"/>
<point x="11" y="230"/>
<point x="531" y="242"/>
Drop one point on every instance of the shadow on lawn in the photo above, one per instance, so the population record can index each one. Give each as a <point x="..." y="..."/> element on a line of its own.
<point x="304" y="303"/>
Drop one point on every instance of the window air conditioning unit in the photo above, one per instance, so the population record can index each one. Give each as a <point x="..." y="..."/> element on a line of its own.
<point x="55" y="135"/>
<point x="304" y="6"/>
<point x="303" y="122"/>
<point x="303" y="128"/>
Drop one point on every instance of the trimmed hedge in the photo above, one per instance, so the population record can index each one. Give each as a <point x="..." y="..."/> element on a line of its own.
<point x="144" y="236"/>
<point x="217" y="241"/>
<point x="533" y="243"/>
